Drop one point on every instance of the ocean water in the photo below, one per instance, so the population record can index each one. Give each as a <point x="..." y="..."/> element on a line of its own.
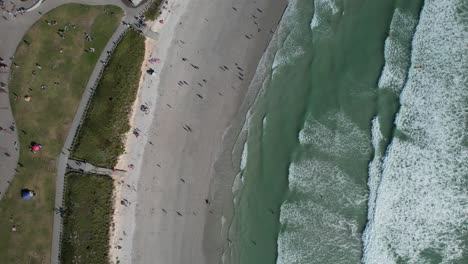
<point x="356" y="147"/>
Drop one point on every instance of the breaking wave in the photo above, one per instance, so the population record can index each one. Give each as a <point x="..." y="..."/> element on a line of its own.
<point x="421" y="203"/>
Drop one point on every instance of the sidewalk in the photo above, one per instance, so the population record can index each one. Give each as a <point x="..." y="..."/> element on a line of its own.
<point x="86" y="167"/>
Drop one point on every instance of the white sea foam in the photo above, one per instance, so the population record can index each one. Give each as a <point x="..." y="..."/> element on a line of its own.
<point x="421" y="203"/>
<point x="316" y="178"/>
<point x="264" y="122"/>
<point x="397" y="51"/>
<point x="287" y="56"/>
<point x="314" y="230"/>
<point x="375" y="174"/>
<point x="290" y="47"/>
<point x="322" y="220"/>
<point x="323" y="11"/>
<point x="318" y="223"/>
<point x="393" y="76"/>
<point x="237" y="183"/>
<point x="245" y="152"/>
<point x="375" y="166"/>
<point x="336" y="134"/>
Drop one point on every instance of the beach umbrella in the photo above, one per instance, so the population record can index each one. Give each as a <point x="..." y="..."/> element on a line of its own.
<point x="36" y="147"/>
<point x="27" y="98"/>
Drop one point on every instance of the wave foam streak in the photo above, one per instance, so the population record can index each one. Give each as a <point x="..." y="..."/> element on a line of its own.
<point x="397" y="52"/>
<point x="323" y="10"/>
<point x="332" y="139"/>
<point x="375" y="173"/>
<point x="421" y="207"/>
<point x="320" y="224"/>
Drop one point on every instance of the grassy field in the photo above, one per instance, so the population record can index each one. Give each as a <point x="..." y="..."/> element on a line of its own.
<point x="87" y="218"/>
<point x="153" y="11"/>
<point x="101" y="137"/>
<point x="46" y="119"/>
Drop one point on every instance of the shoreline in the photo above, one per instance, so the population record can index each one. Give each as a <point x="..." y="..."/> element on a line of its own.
<point x="233" y="145"/>
<point x="175" y="213"/>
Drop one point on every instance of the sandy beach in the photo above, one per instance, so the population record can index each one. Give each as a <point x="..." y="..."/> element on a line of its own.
<point x="208" y="52"/>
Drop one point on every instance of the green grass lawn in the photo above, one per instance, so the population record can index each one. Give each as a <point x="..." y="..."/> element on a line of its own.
<point x="101" y="137"/>
<point x="87" y="219"/>
<point x="153" y="11"/>
<point x="46" y="119"/>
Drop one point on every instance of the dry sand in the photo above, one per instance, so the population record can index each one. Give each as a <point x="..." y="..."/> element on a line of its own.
<point x="125" y="183"/>
<point x="198" y="84"/>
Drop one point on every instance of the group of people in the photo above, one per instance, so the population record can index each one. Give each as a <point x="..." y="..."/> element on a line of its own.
<point x="13" y="10"/>
<point x="140" y="22"/>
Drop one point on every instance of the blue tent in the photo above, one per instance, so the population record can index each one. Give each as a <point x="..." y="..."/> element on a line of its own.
<point x="27" y="194"/>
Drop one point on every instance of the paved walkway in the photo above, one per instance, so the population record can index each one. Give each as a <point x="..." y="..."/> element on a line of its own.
<point x="86" y="167"/>
<point x="12" y="29"/>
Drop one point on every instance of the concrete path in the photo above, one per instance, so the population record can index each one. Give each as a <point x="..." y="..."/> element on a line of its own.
<point x="86" y="167"/>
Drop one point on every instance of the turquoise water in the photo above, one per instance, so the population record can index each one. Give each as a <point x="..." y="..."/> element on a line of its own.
<point x="356" y="149"/>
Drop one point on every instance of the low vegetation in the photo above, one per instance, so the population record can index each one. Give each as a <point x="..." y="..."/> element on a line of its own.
<point x="53" y="69"/>
<point x="101" y="137"/>
<point x="87" y="217"/>
<point x="153" y="11"/>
